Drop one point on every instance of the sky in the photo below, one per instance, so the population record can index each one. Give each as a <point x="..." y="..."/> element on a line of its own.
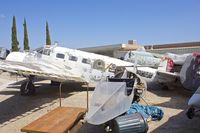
<point x="89" y="23"/>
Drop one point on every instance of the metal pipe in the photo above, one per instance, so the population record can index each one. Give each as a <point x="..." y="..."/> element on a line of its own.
<point x="87" y="97"/>
<point x="60" y="90"/>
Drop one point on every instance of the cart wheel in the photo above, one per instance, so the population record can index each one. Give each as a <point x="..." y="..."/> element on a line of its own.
<point x="190" y="113"/>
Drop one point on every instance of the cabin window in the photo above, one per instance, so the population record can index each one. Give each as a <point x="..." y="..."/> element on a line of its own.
<point x="86" y="61"/>
<point x="46" y="51"/>
<point x="59" y="55"/>
<point x="73" y="58"/>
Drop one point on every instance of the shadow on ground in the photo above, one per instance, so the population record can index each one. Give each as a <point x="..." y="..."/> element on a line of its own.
<point x="180" y="124"/>
<point x="17" y="105"/>
<point x="178" y="101"/>
<point x="178" y="97"/>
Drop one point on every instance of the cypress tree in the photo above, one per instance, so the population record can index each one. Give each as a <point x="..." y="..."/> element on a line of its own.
<point x="48" y="39"/>
<point x="15" y="42"/>
<point x="26" y="45"/>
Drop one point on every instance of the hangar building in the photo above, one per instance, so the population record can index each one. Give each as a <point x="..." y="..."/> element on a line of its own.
<point x="118" y="50"/>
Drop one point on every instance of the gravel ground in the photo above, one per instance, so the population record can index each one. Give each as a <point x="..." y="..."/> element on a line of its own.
<point x="17" y="111"/>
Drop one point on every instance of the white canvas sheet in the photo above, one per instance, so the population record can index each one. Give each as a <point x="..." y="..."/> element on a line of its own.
<point x="108" y="101"/>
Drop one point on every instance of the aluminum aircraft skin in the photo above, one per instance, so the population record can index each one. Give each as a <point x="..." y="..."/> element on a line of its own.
<point x="166" y="69"/>
<point x="171" y="68"/>
<point x="143" y="58"/>
<point x="152" y="68"/>
<point x="60" y="64"/>
<point x="148" y="66"/>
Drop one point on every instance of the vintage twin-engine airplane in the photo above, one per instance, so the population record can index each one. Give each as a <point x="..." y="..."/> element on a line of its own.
<point x="65" y="65"/>
<point x="60" y="64"/>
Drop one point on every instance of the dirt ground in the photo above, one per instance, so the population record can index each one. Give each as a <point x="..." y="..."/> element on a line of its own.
<point x="17" y="111"/>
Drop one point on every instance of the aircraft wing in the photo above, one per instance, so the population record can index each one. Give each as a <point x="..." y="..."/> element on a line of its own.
<point x="151" y="74"/>
<point x="42" y="70"/>
<point x="164" y="77"/>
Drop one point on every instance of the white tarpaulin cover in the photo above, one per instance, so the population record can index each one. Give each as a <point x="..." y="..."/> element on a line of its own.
<point x="108" y="101"/>
<point x="177" y="59"/>
<point x="190" y="73"/>
<point x="195" y="99"/>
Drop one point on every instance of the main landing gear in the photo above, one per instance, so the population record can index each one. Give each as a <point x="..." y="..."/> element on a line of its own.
<point x="191" y="112"/>
<point x="27" y="88"/>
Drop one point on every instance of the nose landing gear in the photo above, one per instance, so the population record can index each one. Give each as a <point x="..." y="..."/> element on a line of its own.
<point x="190" y="113"/>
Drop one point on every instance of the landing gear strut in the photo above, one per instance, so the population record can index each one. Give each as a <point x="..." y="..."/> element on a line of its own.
<point x="27" y="88"/>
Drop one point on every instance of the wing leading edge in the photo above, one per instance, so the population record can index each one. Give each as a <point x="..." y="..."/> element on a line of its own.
<point x="39" y="70"/>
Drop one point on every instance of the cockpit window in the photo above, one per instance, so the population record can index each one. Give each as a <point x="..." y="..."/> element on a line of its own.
<point x="46" y="51"/>
<point x="59" y="55"/>
<point x="39" y="50"/>
<point x="73" y="58"/>
<point x="86" y="61"/>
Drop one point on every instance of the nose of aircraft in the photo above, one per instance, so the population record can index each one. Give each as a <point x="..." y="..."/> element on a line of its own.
<point x="16" y="56"/>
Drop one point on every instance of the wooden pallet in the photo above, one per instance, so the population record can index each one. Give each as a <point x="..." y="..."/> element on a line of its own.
<point x="59" y="120"/>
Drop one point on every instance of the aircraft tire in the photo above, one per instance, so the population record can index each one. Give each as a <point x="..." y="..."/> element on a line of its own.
<point x="190" y="113"/>
<point x="165" y="87"/>
<point x="27" y="88"/>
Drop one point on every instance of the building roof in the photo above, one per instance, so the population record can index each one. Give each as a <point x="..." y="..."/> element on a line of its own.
<point x="110" y="47"/>
<point x="172" y="45"/>
<point x="179" y="48"/>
